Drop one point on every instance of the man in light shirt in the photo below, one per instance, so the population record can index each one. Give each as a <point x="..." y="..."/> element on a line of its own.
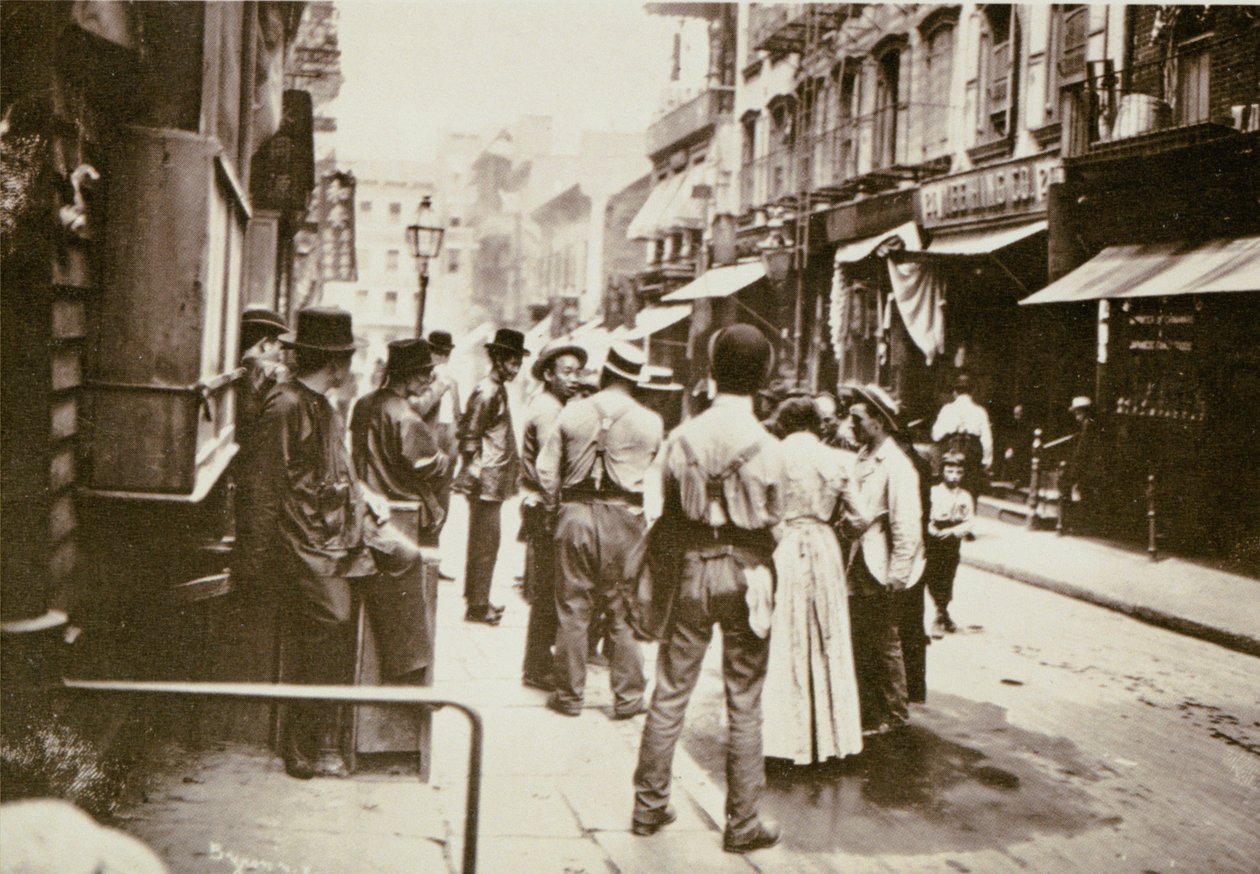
<point x="963" y="426"/>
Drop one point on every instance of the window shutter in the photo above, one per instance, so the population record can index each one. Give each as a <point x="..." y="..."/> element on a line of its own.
<point x="1075" y="43"/>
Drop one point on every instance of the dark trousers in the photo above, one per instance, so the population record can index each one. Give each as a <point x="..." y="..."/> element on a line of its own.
<point x="592" y="541"/>
<point x="942" y="566"/>
<point x="540" y="588"/>
<point x="712" y="590"/>
<point x="484" y="525"/>
<point x="877" y="655"/>
<point x="908" y="616"/>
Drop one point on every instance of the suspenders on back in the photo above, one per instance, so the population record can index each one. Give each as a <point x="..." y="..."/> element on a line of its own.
<point x="600" y="468"/>
<point x="715" y="483"/>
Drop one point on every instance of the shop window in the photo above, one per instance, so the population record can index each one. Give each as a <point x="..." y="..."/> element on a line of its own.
<point x="391" y="303"/>
<point x="887" y="83"/>
<point x="391" y="259"/>
<point x="939" y="68"/>
<point x="1193" y="75"/>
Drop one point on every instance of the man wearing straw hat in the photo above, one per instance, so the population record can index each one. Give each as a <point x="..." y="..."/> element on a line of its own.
<point x="319" y="532"/>
<point x="491" y="465"/>
<point x="557" y="368"/>
<point x="887" y="559"/>
<point x="592" y="469"/>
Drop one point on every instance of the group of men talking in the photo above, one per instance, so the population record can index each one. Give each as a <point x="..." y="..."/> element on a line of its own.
<point x="600" y="479"/>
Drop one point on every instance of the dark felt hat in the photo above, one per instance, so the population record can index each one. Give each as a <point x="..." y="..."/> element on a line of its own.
<point x="266" y="322"/>
<point x="440" y="342"/>
<point x="407" y="357"/>
<point x="550" y="353"/>
<point x="326" y="329"/>
<point x="508" y="341"/>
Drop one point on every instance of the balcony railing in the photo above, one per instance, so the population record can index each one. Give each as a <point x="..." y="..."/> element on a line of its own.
<point x="785" y="27"/>
<point x="689" y="119"/>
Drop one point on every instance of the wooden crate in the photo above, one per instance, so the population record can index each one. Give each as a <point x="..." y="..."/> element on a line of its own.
<point x="160" y="394"/>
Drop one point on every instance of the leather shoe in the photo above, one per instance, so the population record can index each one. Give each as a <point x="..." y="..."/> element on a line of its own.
<point x="631" y="713"/>
<point x="331" y="764"/>
<point x="485" y="617"/>
<point x="543" y="684"/>
<point x="298" y="767"/>
<point x="556" y="705"/>
<point x="763" y="836"/>
<point x="651" y="825"/>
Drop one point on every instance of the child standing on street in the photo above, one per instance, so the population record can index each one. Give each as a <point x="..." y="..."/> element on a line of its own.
<point x="953" y="510"/>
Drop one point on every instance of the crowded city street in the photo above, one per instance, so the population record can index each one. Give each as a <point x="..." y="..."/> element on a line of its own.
<point x="625" y="437"/>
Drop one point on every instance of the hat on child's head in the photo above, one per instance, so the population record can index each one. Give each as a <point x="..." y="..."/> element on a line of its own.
<point x="956" y="459"/>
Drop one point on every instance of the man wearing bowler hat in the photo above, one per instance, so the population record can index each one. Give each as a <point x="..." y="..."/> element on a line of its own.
<point x="557" y="368"/>
<point x="395" y="454"/>
<point x="886" y="560"/>
<point x="328" y="533"/>
<point x="592" y="471"/>
<point x="489" y="470"/>
<point x="721" y="475"/>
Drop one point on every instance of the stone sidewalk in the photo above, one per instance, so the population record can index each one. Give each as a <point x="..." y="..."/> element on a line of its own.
<point x="1172" y="593"/>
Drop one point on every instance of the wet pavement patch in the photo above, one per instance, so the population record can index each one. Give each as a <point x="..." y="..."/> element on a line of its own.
<point x="959" y="778"/>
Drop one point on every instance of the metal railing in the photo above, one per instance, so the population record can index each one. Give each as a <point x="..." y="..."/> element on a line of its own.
<point x="272" y="693"/>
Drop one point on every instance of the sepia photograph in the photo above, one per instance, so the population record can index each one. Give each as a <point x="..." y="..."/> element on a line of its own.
<point x="624" y="437"/>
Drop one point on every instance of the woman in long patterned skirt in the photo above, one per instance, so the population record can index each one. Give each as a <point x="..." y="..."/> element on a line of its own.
<point x="810" y="701"/>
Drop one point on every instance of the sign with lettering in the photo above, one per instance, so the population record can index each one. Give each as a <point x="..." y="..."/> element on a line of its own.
<point x="1015" y="188"/>
<point x="336" y="228"/>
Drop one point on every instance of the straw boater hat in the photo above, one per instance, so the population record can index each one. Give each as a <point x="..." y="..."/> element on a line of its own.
<point x="625" y="360"/>
<point x="655" y="378"/>
<point x="879" y="401"/>
<point x="408" y="357"/>
<point x="550" y="353"/>
<point x="440" y="342"/>
<point x="324" y="329"/>
<point x="509" y="342"/>
<point x="1081" y="402"/>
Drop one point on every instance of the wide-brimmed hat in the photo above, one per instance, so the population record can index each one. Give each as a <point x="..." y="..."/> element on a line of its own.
<point x="879" y="401"/>
<point x="654" y="378"/>
<point x="266" y="322"/>
<point x="325" y="329"/>
<point x="407" y="357"/>
<point x="550" y="353"/>
<point x="1081" y="402"/>
<point x="625" y="360"/>
<point x="508" y="341"/>
<point x="440" y="342"/>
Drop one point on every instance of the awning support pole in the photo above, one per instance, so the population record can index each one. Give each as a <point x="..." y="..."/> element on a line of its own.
<point x="1013" y="277"/>
<point x="774" y="329"/>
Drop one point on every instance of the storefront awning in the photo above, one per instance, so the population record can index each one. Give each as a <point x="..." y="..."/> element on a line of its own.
<point x="719" y="282"/>
<point x="657" y="318"/>
<point x="651" y="216"/>
<point x="856" y="250"/>
<point x="1158" y="269"/>
<point x="684" y="209"/>
<point x="984" y="241"/>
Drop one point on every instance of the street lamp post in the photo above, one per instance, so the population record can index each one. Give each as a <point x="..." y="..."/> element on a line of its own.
<point x="425" y="240"/>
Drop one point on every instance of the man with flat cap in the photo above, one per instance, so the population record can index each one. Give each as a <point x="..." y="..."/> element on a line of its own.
<point x="557" y="368"/>
<point x="592" y="470"/>
<point x="319" y="532"/>
<point x="721" y="476"/>
<point x="395" y="454"/>
<point x="888" y="559"/>
<point x="489" y="470"/>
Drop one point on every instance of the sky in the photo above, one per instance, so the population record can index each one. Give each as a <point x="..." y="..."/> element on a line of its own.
<point x="417" y="68"/>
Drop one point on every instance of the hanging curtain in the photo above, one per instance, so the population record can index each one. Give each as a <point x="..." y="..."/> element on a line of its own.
<point x="919" y="289"/>
<point x="838" y="311"/>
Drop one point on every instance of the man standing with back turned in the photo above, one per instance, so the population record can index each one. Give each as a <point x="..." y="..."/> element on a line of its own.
<point x="721" y="481"/>
<point x="593" y="465"/>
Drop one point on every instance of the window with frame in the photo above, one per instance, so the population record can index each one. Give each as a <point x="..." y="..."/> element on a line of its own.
<point x="939" y="65"/>
<point x="887" y="83"/>
<point x="395" y="210"/>
<point x="391" y="259"/>
<point x="365" y="207"/>
<point x="452" y="261"/>
<point x="1193" y="77"/>
<point x="391" y="303"/>
<point x="1065" y="53"/>
<point x="994" y="80"/>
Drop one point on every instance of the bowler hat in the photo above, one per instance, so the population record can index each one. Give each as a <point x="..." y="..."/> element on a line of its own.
<point x="508" y="341"/>
<point x="655" y="378"/>
<point x="267" y="322"/>
<point x="879" y="401"/>
<point x="407" y="357"/>
<point x="550" y="353"/>
<point x="325" y="329"/>
<point x="440" y="342"/>
<point x="625" y="360"/>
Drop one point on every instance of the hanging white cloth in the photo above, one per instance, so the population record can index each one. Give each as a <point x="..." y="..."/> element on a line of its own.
<point x="919" y="289"/>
